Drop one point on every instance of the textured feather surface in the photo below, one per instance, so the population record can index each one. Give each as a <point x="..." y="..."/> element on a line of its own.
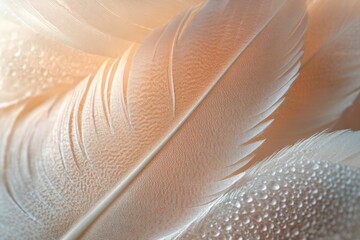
<point x="302" y="192"/>
<point x="329" y="79"/>
<point x="195" y="95"/>
<point x="31" y="65"/>
<point x="98" y="26"/>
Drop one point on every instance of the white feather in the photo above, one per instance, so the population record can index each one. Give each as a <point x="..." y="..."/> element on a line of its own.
<point x="301" y="192"/>
<point x="140" y="149"/>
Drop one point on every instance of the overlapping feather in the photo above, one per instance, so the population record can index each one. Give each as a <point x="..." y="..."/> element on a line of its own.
<point x="301" y="192"/>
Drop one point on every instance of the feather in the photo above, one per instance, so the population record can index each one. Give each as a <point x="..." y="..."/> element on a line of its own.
<point x="101" y="27"/>
<point x="329" y="79"/>
<point x="301" y="192"/>
<point x="31" y="65"/>
<point x="141" y="148"/>
<point x="350" y="119"/>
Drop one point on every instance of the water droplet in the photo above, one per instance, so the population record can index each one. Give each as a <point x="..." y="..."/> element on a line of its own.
<point x="17" y="52"/>
<point x="264" y="228"/>
<point x="275" y="186"/>
<point x="228" y="227"/>
<point x="315" y="166"/>
<point x="249" y="199"/>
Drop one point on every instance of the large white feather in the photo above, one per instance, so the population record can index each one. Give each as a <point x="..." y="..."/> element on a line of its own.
<point x="141" y="148"/>
<point x="302" y="192"/>
<point x="329" y="79"/>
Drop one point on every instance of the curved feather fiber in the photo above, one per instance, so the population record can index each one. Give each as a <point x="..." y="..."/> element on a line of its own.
<point x="102" y="27"/>
<point x="329" y="79"/>
<point x="301" y="192"/>
<point x="31" y="65"/>
<point x="141" y="148"/>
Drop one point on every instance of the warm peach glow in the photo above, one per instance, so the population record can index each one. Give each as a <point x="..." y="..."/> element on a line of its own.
<point x="166" y="119"/>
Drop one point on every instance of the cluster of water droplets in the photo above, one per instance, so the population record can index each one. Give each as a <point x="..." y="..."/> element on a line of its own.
<point x="302" y="200"/>
<point x="31" y="64"/>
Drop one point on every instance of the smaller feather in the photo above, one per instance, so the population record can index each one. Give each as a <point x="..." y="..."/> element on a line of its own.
<point x="302" y="192"/>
